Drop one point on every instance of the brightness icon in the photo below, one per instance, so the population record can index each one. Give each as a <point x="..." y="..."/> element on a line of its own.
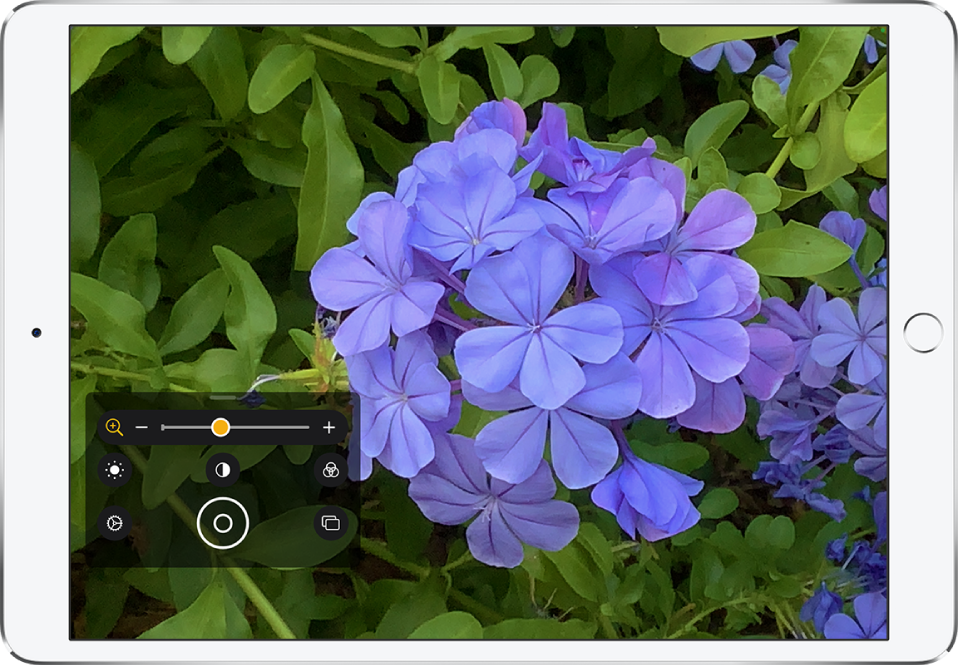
<point x="114" y="469"/>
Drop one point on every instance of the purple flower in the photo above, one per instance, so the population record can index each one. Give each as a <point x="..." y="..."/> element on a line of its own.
<point x="781" y="71"/>
<point x="520" y="288"/>
<point x="398" y="392"/>
<point x="740" y="56"/>
<point x="821" y="607"/>
<point x="834" y="444"/>
<point x="573" y="162"/>
<point x="871" y="49"/>
<point x="647" y="498"/>
<point x="840" y="224"/>
<point x="835" y="551"/>
<point x="801" y="326"/>
<point x="858" y="410"/>
<point x="720" y="407"/>
<point x="791" y="431"/>
<point x="873" y="464"/>
<point x="383" y="289"/>
<point x="466" y="218"/>
<point x="880" y="511"/>
<point x="454" y="488"/>
<point x="865" y="338"/>
<point x="722" y="220"/>
<point x="870" y="622"/>
<point x="600" y="226"/>
<point x="878" y="202"/>
<point x="583" y="451"/>
<point x="505" y="115"/>
<point x="677" y="340"/>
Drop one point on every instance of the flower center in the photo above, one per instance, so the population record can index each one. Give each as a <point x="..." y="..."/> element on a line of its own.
<point x="657" y="325"/>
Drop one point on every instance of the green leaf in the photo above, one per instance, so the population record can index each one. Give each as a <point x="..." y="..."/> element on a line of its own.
<point x="407" y="530"/>
<point x="712" y="128"/>
<point x="597" y="546"/>
<point x="410" y="612"/>
<point x="477" y="36"/>
<point x="760" y="191"/>
<point x="503" y="72"/>
<point x="249" y="313"/>
<point x="576" y="571"/>
<point x="84" y="205"/>
<point x="540" y="80"/>
<point x="305" y="342"/>
<point x="332" y="183"/>
<point x="768" y="96"/>
<point x="105" y="596"/>
<point x="712" y="169"/>
<point x="449" y="626"/>
<point x="641" y="71"/>
<point x="439" y="85"/>
<point x="148" y="192"/>
<point x="866" y="128"/>
<point x="279" y="166"/>
<point x="80" y="430"/>
<point x="843" y="196"/>
<point x="682" y="456"/>
<point x="687" y="41"/>
<point x="128" y="263"/>
<point x="795" y="250"/>
<point x="291" y="541"/>
<point x="575" y="121"/>
<point x="821" y="62"/>
<point x="806" y="151"/>
<point x="88" y="44"/>
<point x="118" y="125"/>
<point x="548" y="629"/>
<point x="562" y="36"/>
<point x="216" y="370"/>
<point x="181" y="42"/>
<point x="781" y="533"/>
<point x="117" y="317"/>
<point x="166" y="470"/>
<point x="213" y="615"/>
<point x="391" y="36"/>
<point x="181" y="145"/>
<point x="718" y="503"/>
<point x="834" y="162"/>
<point x="877" y="167"/>
<point x="221" y="67"/>
<point x="195" y="314"/>
<point x="283" y="69"/>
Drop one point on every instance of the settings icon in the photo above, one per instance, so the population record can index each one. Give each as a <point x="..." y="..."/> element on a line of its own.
<point x="114" y="523"/>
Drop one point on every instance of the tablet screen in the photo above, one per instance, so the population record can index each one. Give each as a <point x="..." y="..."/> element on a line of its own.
<point x="478" y="332"/>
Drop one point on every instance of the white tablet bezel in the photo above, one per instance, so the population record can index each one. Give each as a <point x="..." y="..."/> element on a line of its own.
<point x="35" y="293"/>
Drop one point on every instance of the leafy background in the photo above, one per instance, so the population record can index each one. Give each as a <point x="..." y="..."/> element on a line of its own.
<point x="210" y="168"/>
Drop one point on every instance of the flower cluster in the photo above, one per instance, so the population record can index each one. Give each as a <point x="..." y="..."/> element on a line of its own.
<point x="576" y="311"/>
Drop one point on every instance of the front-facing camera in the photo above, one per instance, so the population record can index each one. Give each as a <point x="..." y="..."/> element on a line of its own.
<point x="36" y="332"/>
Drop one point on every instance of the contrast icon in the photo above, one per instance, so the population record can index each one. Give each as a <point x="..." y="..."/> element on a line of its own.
<point x="222" y="469"/>
<point x="114" y="523"/>
<point x="330" y="469"/>
<point x="114" y="469"/>
<point x="113" y="426"/>
<point x="331" y="522"/>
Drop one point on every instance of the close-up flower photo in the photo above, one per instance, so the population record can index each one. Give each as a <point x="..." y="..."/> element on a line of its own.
<point x="605" y="310"/>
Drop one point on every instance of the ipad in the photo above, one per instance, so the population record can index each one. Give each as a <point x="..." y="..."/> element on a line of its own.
<point x="380" y="333"/>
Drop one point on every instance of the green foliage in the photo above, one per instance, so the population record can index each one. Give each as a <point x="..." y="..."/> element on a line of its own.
<point x="212" y="166"/>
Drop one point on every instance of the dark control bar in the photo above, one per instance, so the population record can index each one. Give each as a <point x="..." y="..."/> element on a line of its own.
<point x="305" y="427"/>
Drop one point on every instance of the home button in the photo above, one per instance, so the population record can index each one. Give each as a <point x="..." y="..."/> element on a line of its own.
<point x="923" y="332"/>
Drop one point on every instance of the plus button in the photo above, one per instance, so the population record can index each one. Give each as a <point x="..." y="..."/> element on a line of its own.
<point x="329" y="427"/>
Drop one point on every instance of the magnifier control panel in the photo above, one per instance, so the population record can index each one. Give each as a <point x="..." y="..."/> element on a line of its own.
<point x="201" y="480"/>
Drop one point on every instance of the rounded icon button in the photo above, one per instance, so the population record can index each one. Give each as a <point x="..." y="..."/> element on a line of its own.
<point x="114" y="469"/>
<point x="114" y="523"/>
<point x="221" y="519"/>
<point x="923" y="332"/>
<point x="331" y="522"/>
<point x="330" y="469"/>
<point x="222" y="469"/>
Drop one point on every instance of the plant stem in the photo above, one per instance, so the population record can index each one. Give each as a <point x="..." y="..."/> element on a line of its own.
<point x="380" y="550"/>
<point x="465" y="558"/>
<point x="581" y="278"/>
<point x="121" y="374"/>
<point x="453" y="320"/>
<point x="607" y="627"/>
<point x="786" y="150"/>
<point x="342" y="49"/>
<point x="246" y="583"/>
<point x="482" y="612"/>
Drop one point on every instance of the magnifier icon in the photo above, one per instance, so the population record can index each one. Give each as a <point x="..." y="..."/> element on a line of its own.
<point x="113" y="426"/>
